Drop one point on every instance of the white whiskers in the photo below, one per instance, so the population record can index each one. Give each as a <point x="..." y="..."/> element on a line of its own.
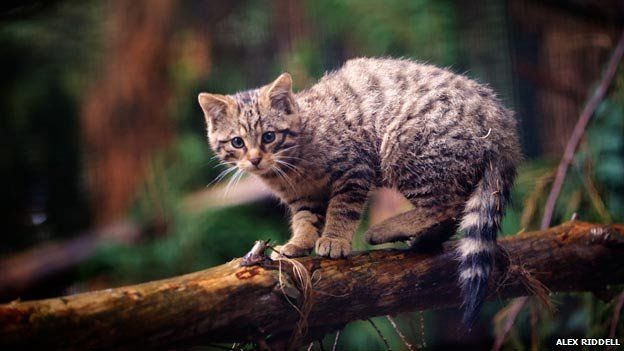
<point x="222" y="175"/>
<point x="233" y="182"/>
<point x="283" y="176"/>
<point x="289" y="166"/>
<point x="286" y="149"/>
<point x="283" y="164"/>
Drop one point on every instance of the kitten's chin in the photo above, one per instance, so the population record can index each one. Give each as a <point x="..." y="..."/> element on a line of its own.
<point x="257" y="171"/>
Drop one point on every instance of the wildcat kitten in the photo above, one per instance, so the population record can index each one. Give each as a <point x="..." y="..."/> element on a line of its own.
<point x="442" y="140"/>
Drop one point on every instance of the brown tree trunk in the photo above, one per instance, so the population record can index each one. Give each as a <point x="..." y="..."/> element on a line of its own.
<point x="234" y="303"/>
<point x="124" y="115"/>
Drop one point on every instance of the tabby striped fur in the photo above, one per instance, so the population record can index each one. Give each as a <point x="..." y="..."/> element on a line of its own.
<point x="441" y="139"/>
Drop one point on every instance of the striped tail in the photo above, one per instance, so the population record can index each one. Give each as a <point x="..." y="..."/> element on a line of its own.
<point x="480" y="224"/>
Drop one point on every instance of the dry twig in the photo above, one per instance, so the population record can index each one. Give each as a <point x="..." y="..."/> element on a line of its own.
<point x="383" y="338"/>
<point x="403" y="338"/>
<point x="616" y="315"/>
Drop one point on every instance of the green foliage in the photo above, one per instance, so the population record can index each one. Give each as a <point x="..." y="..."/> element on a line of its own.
<point x="195" y="242"/>
<point x="606" y="149"/>
<point x="422" y="29"/>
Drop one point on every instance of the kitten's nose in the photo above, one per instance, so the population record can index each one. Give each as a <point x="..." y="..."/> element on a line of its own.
<point x="255" y="161"/>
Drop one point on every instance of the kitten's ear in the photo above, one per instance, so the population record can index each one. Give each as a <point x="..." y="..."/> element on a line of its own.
<point x="214" y="105"/>
<point x="279" y="95"/>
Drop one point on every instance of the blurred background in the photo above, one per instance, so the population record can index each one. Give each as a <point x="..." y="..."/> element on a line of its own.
<point x="107" y="178"/>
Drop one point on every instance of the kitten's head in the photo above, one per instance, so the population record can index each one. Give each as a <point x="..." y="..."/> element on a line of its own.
<point x="255" y="130"/>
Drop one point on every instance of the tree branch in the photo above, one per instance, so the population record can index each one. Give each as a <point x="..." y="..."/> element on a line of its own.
<point x="233" y="303"/>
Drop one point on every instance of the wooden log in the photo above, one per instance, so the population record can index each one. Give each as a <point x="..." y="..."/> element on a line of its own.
<point x="233" y="303"/>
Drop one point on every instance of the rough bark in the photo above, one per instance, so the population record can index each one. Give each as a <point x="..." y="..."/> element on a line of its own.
<point x="233" y="303"/>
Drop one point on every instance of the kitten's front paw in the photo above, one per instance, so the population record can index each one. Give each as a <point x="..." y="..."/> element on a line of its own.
<point x="289" y="250"/>
<point x="333" y="247"/>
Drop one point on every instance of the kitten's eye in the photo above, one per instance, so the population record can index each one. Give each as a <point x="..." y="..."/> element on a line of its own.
<point x="238" y="142"/>
<point x="268" y="137"/>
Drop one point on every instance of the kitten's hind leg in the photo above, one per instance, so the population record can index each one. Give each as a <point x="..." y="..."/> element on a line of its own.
<point x="421" y="228"/>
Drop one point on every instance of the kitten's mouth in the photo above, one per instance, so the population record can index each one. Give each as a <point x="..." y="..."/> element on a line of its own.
<point x="265" y="167"/>
<point x="257" y="169"/>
